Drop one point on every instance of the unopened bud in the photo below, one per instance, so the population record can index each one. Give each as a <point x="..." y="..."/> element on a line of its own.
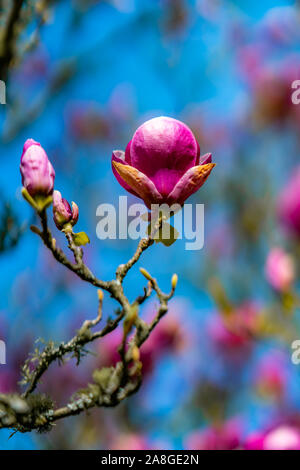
<point x="130" y="319"/>
<point x="53" y="243"/>
<point x="135" y="353"/>
<point x="63" y="214"/>
<point x="146" y="274"/>
<point x="100" y="294"/>
<point x="36" y="170"/>
<point x="174" y="281"/>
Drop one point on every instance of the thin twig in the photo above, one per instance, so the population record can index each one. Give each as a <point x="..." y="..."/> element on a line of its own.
<point x="27" y="411"/>
<point x="8" y="38"/>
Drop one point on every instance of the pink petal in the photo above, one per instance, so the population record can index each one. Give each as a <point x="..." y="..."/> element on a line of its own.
<point x="29" y="143"/>
<point x="163" y="143"/>
<point x="75" y="213"/>
<point x="140" y="183"/>
<point x="190" y="182"/>
<point x="205" y="159"/>
<point x="127" y="153"/>
<point x="165" y="180"/>
<point x="198" y="153"/>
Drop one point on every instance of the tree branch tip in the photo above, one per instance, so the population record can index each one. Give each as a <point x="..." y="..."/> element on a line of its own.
<point x="146" y="274"/>
<point x="35" y="230"/>
<point x="174" y="281"/>
<point x="100" y="295"/>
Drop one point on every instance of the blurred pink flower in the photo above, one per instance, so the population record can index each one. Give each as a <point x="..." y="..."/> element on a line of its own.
<point x="283" y="437"/>
<point x="289" y="204"/>
<point x="224" y="437"/>
<point x="280" y="269"/>
<point x="129" y="441"/>
<point x="270" y="84"/>
<point x="270" y="376"/>
<point x="233" y="335"/>
<point x="36" y="170"/>
<point x="162" y="163"/>
<point x="250" y="62"/>
<point x="87" y="121"/>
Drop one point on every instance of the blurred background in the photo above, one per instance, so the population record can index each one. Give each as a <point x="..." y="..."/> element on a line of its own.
<point x="80" y="77"/>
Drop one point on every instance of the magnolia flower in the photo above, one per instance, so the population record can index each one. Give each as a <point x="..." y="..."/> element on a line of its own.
<point x="36" y="170"/>
<point x="280" y="269"/>
<point x="162" y="163"/>
<point x="289" y="204"/>
<point x="62" y="212"/>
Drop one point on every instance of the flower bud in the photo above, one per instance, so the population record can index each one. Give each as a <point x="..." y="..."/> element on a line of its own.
<point x="100" y="294"/>
<point x="174" y="281"/>
<point x="135" y="353"/>
<point x="75" y="213"/>
<point x="145" y="274"/>
<point x="36" y="170"/>
<point x="63" y="214"/>
<point x="162" y="163"/>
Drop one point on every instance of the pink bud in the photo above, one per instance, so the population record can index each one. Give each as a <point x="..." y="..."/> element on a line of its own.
<point x="62" y="212"/>
<point x="36" y="170"/>
<point x="283" y="437"/>
<point x="75" y="213"/>
<point x="288" y="205"/>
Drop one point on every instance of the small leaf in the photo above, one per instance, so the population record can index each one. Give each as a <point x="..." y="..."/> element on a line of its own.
<point x="81" y="239"/>
<point x="167" y="234"/>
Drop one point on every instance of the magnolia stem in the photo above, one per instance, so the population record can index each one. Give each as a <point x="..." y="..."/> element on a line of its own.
<point x="123" y="381"/>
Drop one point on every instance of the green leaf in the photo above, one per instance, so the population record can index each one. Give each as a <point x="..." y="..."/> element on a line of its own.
<point x="167" y="234"/>
<point x="80" y="239"/>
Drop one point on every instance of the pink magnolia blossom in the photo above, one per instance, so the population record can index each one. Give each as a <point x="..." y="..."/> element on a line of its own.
<point x="289" y="204"/>
<point x="162" y="163"/>
<point x="283" y="437"/>
<point x="280" y="269"/>
<point x="36" y="170"/>
<point x="62" y="211"/>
